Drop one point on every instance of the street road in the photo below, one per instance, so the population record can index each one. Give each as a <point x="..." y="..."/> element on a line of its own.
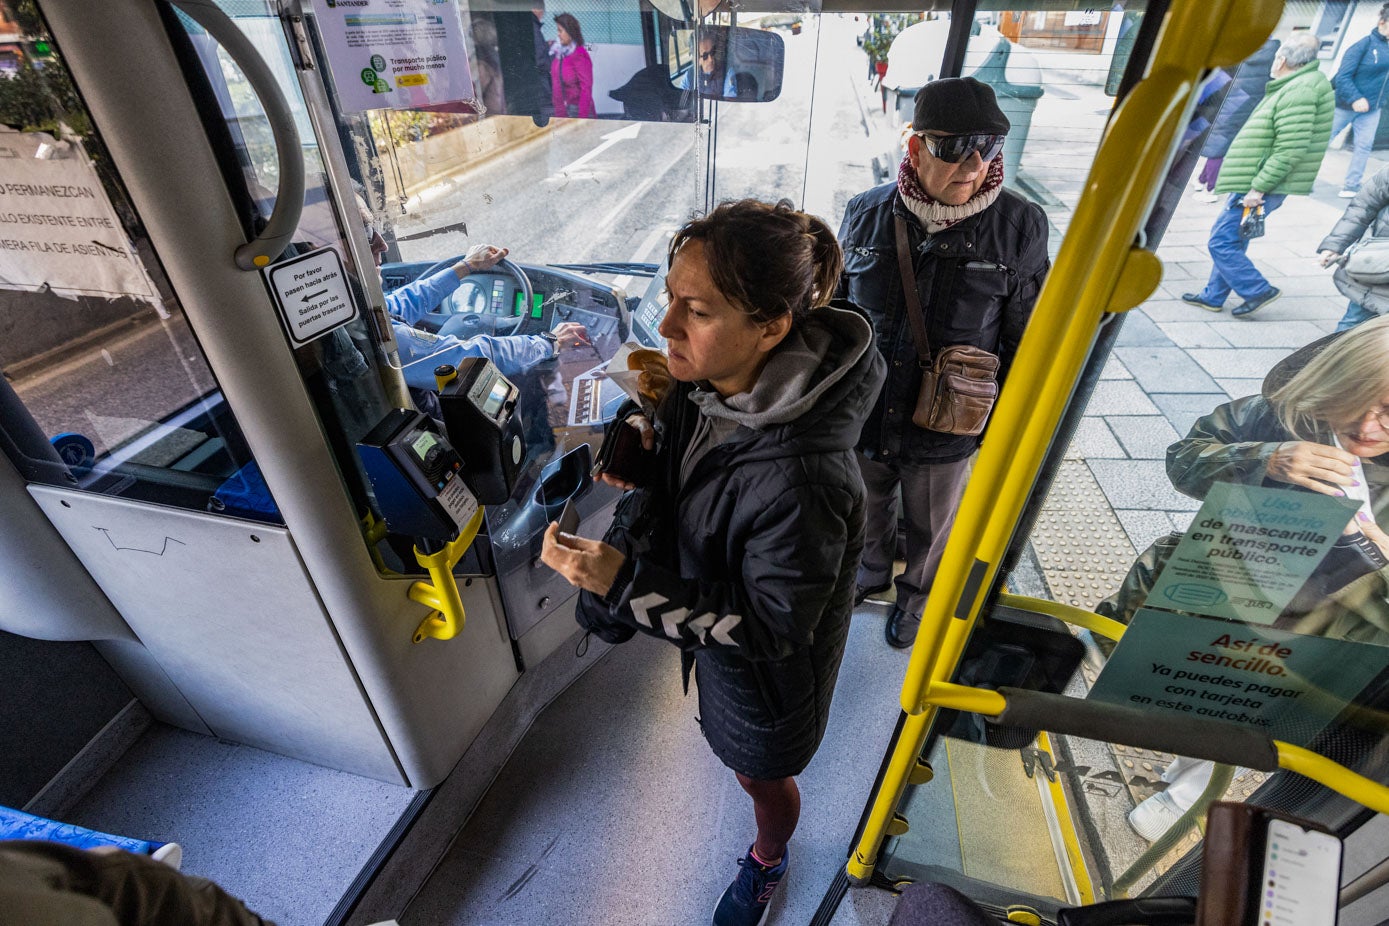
<point x="603" y="190"/>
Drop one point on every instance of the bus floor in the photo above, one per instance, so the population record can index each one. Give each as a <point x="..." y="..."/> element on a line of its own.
<point x="614" y="811"/>
<point x="285" y="836"/>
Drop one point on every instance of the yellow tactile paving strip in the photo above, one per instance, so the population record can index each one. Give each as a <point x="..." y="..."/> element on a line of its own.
<point x="1080" y="544"/>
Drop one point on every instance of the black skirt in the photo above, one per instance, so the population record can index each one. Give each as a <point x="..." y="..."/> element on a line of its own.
<point x="765" y="720"/>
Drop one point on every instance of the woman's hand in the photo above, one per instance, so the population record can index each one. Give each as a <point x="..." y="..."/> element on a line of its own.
<point x="588" y="564"/>
<point x="648" y="442"/>
<point x="1327" y="258"/>
<point x="1364" y="524"/>
<point x="1312" y="466"/>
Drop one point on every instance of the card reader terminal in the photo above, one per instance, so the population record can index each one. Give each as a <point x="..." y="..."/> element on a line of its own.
<point x="479" y="408"/>
<point x="416" y="476"/>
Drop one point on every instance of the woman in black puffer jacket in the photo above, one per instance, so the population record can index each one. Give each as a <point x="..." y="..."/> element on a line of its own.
<point x="742" y="549"/>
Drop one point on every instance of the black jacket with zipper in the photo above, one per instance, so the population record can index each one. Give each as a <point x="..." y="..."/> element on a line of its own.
<point x="748" y="564"/>
<point x="977" y="281"/>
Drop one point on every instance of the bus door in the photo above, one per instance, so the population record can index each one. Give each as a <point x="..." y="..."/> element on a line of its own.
<point x="1130" y="537"/>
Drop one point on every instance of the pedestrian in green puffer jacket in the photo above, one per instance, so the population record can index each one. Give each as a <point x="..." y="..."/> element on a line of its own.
<point x="1275" y="155"/>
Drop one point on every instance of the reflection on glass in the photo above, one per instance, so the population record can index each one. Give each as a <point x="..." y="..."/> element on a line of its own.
<point x="105" y="387"/>
<point x="737" y="65"/>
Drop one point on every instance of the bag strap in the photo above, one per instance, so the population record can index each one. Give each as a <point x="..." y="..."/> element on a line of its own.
<point x="909" y="294"/>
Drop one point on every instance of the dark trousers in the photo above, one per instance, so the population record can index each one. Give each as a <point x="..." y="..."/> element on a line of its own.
<point x="930" y="496"/>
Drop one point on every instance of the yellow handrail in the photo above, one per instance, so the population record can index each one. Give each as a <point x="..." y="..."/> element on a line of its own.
<point x="441" y="591"/>
<point x="1337" y="777"/>
<point x="1078" y="617"/>
<point x="1319" y="768"/>
<point x="1097" y="270"/>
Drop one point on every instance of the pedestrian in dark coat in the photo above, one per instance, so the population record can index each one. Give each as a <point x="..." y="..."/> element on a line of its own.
<point x="1359" y="84"/>
<point x="979" y="255"/>
<point x="742" y="550"/>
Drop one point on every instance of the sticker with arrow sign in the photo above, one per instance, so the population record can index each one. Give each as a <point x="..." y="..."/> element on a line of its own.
<point x="311" y="294"/>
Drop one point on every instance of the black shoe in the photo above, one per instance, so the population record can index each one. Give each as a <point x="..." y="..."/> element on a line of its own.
<point x="862" y="592"/>
<point x="1195" y="299"/>
<point x="901" y="628"/>
<point x="1250" y="306"/>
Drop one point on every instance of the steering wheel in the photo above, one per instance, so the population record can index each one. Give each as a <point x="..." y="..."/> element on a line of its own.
<point x="469" y="324"/>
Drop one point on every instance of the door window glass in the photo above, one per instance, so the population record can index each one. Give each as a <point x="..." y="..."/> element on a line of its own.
<point x="105" y="387"/>
<point x="1253" y="592"/>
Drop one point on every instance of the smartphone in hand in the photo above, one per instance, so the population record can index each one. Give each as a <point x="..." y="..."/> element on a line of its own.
<point x="569" y="518"/>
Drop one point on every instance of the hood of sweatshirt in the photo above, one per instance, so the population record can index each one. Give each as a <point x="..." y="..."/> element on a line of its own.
<point x="815" y="391"/>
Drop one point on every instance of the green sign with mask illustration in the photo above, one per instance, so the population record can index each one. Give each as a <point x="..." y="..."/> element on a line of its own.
<point x="1249" y="550"/>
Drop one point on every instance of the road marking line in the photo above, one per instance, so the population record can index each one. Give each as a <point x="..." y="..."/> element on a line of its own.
<point x="610" y="139"/>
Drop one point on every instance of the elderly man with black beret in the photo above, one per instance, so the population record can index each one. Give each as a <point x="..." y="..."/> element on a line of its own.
<point x="977" y="254"/>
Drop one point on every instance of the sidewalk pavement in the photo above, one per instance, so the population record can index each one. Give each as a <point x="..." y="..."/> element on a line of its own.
<point x="1175" y="362"/>
<point x="1172" y="362"/>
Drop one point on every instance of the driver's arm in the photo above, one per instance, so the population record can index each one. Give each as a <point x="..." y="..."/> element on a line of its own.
<point x="412" y="301"/>
<point x="421" y="352"/>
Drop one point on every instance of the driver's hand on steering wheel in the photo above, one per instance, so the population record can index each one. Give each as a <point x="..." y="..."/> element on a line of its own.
<point x="570" y="334"/>
<point x="482" y="257"/>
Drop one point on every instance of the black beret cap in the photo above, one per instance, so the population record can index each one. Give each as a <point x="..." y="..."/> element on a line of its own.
<point x="958" y="106"/>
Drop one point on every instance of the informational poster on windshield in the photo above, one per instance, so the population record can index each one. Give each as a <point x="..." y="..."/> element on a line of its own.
<point x="1249" y="550"/>
<point x="58" y="231"/>
<point x="395" y="54"/>
<point x="1288" y="685"/>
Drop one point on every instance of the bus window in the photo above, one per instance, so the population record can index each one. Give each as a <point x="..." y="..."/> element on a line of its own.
<point x="342" y="367"/>
<point x="1170" y="502"/>
<point x="105" y="387"/>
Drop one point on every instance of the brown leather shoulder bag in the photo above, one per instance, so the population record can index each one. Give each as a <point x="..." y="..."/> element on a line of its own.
<point x="959" y="387"/>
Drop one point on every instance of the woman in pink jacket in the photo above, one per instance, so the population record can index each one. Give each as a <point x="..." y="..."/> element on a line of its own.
<point x="571" y="71"/>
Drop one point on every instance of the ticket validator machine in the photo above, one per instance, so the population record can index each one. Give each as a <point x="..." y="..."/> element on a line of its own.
<point x="479" y="409"/>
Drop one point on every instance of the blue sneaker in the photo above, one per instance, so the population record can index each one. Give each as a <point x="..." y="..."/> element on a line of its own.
<point x="749" y="897"/>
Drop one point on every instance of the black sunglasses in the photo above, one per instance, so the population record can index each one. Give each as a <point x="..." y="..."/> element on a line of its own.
<point x="956" y="148"/>
<point x="705" y="55"/>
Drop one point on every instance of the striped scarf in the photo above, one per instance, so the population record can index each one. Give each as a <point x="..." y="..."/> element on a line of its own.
<point x="939" y="216"/>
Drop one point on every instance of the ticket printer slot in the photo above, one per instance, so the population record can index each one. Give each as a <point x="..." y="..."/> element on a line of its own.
<point x="479" y="410"/>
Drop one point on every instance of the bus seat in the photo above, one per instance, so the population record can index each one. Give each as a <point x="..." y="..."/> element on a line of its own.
<point x="244" y="494"/>
<point x="16" y="824"/>
<point x="927" y="903"/>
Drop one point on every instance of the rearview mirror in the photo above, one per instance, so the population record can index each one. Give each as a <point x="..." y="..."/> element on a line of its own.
<point x="727" y="63"/>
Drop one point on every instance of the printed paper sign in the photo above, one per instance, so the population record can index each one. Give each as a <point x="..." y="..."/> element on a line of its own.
<point x="1287" y="685"/>
<point x="311" y="293"/>
<point x="395" y="54"/>
<point x="58" y="231"/>
<point x="1248" y="551"/>
<point x="458" y="502"/>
